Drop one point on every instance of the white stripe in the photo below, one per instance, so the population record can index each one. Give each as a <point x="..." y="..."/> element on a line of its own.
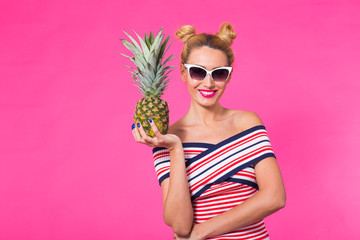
<point x="210" y="166"/>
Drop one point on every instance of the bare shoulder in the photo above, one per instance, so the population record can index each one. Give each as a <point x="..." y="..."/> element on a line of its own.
<point x="246" y="119"/>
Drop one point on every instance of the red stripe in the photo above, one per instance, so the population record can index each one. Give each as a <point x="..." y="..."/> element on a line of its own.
<point x="160" y="155"/>
<point x="164" y="169"/>
<point x="230" y="165"/>
<point x="223" y="151"/>
<point x="248" y="235"/>
<point x="241" y="198"/>
<point x="227" y="192"/>
<point x="193" y="151"/>
<point x="245" y="175"/>
<point x="224" y="168"/>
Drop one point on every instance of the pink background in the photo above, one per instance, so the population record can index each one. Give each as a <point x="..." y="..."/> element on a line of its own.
<point x="69" y="168"/>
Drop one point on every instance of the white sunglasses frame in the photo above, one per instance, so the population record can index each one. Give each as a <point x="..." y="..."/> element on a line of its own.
<point x="188" y="66"/>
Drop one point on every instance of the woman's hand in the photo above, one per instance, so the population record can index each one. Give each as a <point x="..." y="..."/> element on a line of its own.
<point x="169" y="141"/>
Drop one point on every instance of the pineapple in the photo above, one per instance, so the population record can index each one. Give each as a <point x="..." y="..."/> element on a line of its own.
<point x="151" y="77"/>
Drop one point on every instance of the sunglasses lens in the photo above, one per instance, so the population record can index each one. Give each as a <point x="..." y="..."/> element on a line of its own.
<point x="197" y="73"/>
<point x="220" y="74"/>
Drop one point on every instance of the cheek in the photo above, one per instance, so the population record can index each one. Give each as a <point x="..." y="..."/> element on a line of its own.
<point x="221" y="87"/>
<point x="191" y="83"/>
<point x="192" y="86"/>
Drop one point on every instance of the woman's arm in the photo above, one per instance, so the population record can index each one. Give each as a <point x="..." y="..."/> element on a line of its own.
<point x="178" y="211"/>
<point x="270" y="198"/>
<point x="177" y="207"/>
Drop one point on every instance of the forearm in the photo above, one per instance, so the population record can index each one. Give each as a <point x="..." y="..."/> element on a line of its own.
<point x="252" y="210"/>
<point x="178" y="211"/>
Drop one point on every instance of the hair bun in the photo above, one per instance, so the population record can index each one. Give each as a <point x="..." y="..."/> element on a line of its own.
<point x="185" y="33"/>
<point x="226" y="33"/>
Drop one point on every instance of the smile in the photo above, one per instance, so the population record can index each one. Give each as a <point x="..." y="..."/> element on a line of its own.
<point x="207" y="93"/>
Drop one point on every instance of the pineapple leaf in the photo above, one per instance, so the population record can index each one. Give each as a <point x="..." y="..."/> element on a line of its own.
<point x="163" y="46"/>
<point x="152" y="61"/>
<point x="157" y="42"/>
<point x="150" y="71"/>
<point x="140" y="65"/>
<point x="135" y="43"/>
<point x="144" y="81"/>
<point x="145" y="48"/>
<point x="131" y="68"/>
<point x="159" y="72"/>
<point x="151" y="74"/>
<point x="139" y="58"/>
<point x="162" y="70"/>
<point x="166" y="74"/>
<point x="151" y="38"/>
<point x="147" y="41"/>
<point x="168" y="59"/>
<point x="168" y="48"/>
<point x="131" y="58"/>
<point x="157" y="47"/>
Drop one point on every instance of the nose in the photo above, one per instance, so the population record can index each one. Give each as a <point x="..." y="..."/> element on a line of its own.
<point x="208" y="82"/>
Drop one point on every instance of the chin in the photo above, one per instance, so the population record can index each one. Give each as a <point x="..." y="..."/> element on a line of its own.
<point x="207" y="102"/>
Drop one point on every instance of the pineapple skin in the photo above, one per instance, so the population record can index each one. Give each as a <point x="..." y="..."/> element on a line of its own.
<point x="155" y="109"/>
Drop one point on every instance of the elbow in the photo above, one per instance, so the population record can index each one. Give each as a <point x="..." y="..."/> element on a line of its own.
<point x="180" y="228"/>
<point x="276" y="202"/>
<point x="182" y="231"/>
<point x="275" y="205"/>
<point x="279" y="202"/>
<point x="282" y="200"/>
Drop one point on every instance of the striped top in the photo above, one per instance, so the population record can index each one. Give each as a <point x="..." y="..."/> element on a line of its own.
<point x="221" y="176"/>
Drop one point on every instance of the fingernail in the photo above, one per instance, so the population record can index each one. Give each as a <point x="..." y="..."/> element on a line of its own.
<point x="150" y="120"/>
<point x="133" y="126"/>
<point x="138" y="125"/>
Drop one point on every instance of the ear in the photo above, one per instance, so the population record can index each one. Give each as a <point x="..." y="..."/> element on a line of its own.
<point x="183" y="72"/>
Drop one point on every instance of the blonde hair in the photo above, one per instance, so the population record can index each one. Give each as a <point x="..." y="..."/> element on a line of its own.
<point x="222" y="40"/>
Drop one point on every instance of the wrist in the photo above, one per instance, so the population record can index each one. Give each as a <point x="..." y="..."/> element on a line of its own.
<point x="199" y="232"/>
<point x="176" y="147"/>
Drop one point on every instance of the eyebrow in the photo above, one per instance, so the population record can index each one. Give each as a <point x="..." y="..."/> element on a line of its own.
<point x="208" y="69"/>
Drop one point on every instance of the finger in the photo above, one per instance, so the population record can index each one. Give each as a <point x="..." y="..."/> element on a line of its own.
<point x="154" y="128"/>
<point x="144" y="136"/>
<point x="136" y="133"/>
<point x="141" y="136"/>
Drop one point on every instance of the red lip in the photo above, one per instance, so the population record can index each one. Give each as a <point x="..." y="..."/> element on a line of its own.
<point x="207" y="90"/>
<point x="207" y="95"/>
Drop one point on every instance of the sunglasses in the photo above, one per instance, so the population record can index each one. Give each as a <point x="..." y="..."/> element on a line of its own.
<point x="219" y="74"/>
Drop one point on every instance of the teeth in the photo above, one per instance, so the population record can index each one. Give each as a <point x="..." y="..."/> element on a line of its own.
<point x="207" y="93"/>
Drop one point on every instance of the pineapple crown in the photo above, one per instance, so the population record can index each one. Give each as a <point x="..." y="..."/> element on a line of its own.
<point x="151" y="73"/>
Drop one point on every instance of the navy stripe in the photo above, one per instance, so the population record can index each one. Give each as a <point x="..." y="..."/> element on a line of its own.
<point x="165" y="176"/>
<point x="188" y="144"/>
<point x="166" y="161"/>
<point x="243" y="181"/>
<point x="206" y="187"/>
<point x="155" y="149"/>
<point x="232" y="172"/>
<point x="189" y="162"/>
<point x="197" y="145"/>
<point x="226" y="141"/>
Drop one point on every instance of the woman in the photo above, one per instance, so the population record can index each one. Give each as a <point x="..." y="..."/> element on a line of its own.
<point x="224" y="176"/>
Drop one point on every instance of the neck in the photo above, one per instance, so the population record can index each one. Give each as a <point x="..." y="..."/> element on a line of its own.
<point x="204" y="116"/>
